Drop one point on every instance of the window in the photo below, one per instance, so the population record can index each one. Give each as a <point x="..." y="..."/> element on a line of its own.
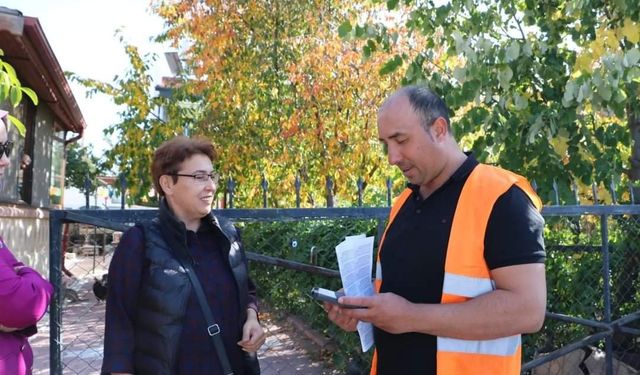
<point x="56" y="187"/>
<point x="11" y="182"/>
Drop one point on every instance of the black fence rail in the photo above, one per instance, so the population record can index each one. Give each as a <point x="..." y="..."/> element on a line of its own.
<point x="230" y="189"/>
<point x="559" y="194"/>
<point x="593" y="262"/>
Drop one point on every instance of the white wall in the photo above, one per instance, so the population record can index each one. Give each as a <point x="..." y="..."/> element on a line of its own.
<point x="25" y="230"/>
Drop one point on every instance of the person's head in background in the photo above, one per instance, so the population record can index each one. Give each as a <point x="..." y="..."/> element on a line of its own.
<point x="26" y="161"/>
<point x="5" y="144"/>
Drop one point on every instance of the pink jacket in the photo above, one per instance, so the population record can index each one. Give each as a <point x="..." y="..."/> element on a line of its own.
<point x="24" y="297"/>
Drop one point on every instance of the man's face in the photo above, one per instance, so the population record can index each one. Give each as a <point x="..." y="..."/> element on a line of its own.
<point x="414" y="150"/>
<point x="190" y="199"/>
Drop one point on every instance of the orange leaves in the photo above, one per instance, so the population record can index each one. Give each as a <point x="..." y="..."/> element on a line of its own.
<point x="284" y="94"/>
<point x="290" y="126"/>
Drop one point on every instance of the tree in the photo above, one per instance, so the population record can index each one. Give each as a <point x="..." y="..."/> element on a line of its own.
<point x="275" y="88"/>
<point x="546" y="88"/>
<point x="141" y="129"/>
<point x="12" y="89"/>
<point x="284" y="95"/>
<point x="81" y="163"/>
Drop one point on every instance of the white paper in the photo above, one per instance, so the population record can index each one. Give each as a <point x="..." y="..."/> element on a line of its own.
<point x="355" y="260"/>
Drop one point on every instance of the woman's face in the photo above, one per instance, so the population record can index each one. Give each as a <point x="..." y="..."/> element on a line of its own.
<point x="4" y="158"/>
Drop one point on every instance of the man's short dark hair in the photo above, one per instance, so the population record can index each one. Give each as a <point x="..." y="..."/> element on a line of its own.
<point x="169" y="156"/>
<point x="427" y="105"/>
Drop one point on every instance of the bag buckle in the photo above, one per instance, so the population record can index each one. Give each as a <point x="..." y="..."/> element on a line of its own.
<point x="213" y="329"/>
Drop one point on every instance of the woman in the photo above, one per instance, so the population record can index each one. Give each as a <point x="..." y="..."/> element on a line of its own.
<point x="24" y="294"/>
<point x="154" y="318"/>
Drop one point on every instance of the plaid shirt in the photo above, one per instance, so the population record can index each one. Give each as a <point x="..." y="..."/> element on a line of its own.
<point x="196" y="354"/>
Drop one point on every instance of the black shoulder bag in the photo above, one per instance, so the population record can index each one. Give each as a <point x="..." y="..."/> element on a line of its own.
<point x="213" y="329"/>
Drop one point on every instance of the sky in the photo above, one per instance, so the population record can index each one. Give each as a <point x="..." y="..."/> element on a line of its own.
<point x="82" y="36"/>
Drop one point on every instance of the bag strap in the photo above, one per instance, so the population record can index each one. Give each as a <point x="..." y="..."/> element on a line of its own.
<point x="213" y="329"/>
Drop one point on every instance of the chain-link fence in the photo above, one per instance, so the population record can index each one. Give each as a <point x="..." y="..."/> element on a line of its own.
<point x="592" y="270"/>
<point x="593" y="265"/>
<point x="80" y="263"/>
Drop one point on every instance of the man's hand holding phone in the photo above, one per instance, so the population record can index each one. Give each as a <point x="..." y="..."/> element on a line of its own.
<point x="335" y="312"/>
<point x="326" y="295"/>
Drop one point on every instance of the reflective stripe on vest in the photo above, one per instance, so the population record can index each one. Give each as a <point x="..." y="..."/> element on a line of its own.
<point x="505" y="346"/>
<point x="466" y="286"/>
<point x="467" y="275"/>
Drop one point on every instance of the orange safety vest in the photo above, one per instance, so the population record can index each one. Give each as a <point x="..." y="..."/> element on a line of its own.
<point x="467" y="275"/>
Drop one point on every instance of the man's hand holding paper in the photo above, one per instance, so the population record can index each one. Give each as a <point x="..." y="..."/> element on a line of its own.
<point x="355" y="260"/>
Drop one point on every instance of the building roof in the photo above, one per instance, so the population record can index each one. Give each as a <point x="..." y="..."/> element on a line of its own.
<point x="27" y="49"/>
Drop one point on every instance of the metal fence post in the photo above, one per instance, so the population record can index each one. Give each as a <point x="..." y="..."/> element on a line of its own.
<point x="297" y="185"/>
<point x="608" y="343"/>
<point x="265" y="187"/>
<point x="231" y="185"/>
<point x="360" y="184"/>
<point x="329" y="185"/>
<point x="612" y="186"/>
<point x="388" y="192"/>
<point x="55" y="277"/>
<point x="123" y="190"/>
<point x="87" y="190"/>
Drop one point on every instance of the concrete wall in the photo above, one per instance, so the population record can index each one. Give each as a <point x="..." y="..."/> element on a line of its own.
<point x="42" y="157"/>
<point x="26" y="231"/>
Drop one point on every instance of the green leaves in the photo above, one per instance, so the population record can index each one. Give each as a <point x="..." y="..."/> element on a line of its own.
<point x="11" y="89"/>
<point x="31" y="94"/>
<point x="539" y="70"/>
<point x="535" y="129"/>
<point x="631" y="57"/>
<point x="513" y="51"/>
<point x="11" y="73"/>
<point x="344" y="29"/>
<point x="140" y="129"/>
<point x="391" y="65"/>
<point x="504" y="77"/>
<point x="81" y="163"/>
<point x="520" y="102"/>
<point x="22" y="130"/>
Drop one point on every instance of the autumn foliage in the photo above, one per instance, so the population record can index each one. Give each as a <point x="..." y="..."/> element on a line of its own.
<point x="291" y="88"/>
<point x="285" y="95"/>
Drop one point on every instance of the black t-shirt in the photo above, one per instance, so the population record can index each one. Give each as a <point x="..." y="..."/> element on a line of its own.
<point x="414" y="251"/>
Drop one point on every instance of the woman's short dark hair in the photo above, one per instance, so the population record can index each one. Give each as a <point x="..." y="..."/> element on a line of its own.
<point x="427" y="105"/>
<point x="169" y="156"/>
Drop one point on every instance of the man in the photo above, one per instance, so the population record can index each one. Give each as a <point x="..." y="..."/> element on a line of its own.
<point x="154" y="322"/>
<point x="460" y="271"/>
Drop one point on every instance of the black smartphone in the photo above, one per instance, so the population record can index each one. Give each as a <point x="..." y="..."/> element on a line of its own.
<point x="330" y="296"/>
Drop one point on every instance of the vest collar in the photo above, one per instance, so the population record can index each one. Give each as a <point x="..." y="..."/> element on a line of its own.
<point x="170" y="223"/>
